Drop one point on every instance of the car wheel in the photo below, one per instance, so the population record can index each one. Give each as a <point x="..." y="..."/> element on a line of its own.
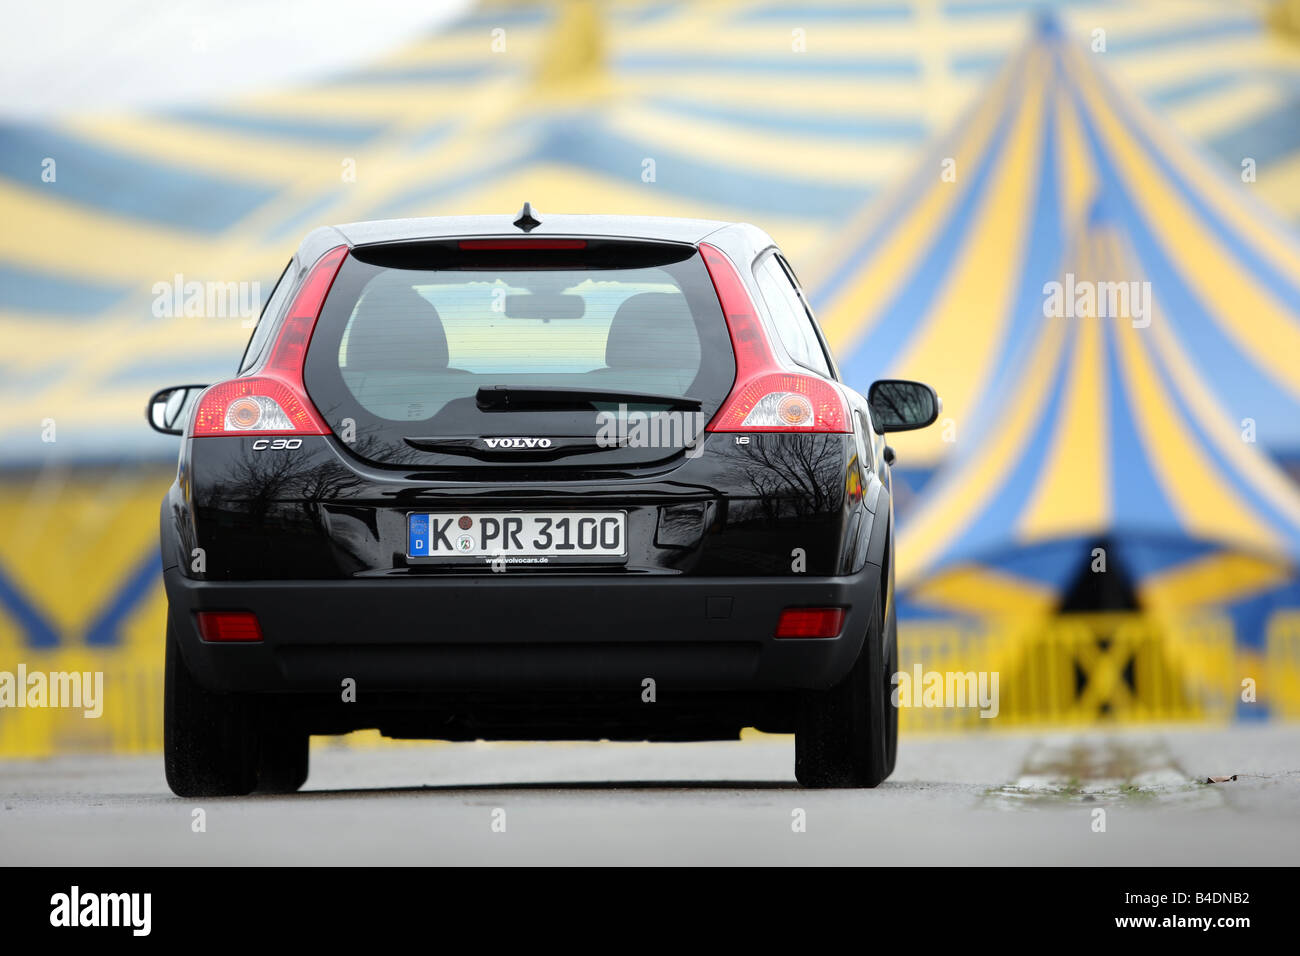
<point x="891" y="711"/>
<point x="847" y="736"/>
<point x="223" y="745"/>
<point x="284" y="762"/>
<point x="206" y="736"/>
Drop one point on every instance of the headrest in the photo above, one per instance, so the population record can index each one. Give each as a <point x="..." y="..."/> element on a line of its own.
<point x="395" y="328"/>
<point x="653" y="329"/>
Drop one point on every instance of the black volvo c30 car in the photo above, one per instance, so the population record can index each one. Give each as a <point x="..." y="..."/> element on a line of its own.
<point x="534" y="477"/>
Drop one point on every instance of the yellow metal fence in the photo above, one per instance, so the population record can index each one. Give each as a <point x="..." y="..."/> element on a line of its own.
<point x="1117" y="668"/>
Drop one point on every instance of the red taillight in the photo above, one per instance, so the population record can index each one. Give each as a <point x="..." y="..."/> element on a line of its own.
<point x="275" y="402"/>
<point x="781" y="402"/>
<point x="229" y="626"/>
<point x="810" y="622"/>
<point x="765" y="397"/>
<point x="523" y="244"/>
<point x="262" y="406"/>
<point x="291" y="345"/>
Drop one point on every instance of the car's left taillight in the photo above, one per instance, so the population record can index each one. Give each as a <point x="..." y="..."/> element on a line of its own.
<point x="274" y="401"/>
<point x="765" y="397"/>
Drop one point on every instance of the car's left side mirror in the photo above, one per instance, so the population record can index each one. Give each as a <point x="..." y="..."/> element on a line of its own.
<point x="898" y="405"/>
<point x="168" y="405"/>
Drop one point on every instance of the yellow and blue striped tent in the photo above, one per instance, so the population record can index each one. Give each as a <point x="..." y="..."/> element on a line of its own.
<point x="944" y="279"/>
<point x="1105" y="433"/>
<point x="1110" y="430"/>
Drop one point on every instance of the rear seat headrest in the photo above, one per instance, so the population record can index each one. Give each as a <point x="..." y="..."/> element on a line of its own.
<point x="395" y="328"/>
<point x="653" y="329"/>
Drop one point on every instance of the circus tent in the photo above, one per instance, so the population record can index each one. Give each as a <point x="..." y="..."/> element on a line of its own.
<point x="943" y="280"/>
<point x="1133" y="429"/>
<point x="1108" y="437"/>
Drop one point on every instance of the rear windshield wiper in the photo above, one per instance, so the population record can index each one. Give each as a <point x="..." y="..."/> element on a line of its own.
<point x="509" y="398"/>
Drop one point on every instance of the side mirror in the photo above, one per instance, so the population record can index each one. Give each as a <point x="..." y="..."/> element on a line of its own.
<point x="167" y="407"/>
<point x="898" y="405"/>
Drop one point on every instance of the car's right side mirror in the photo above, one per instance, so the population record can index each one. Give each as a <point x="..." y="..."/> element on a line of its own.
<point x="898" y="405"/>
<point x="167" y="405"/>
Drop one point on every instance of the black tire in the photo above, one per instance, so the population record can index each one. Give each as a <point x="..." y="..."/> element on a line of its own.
<point x="847" y="736"/>
<point x="891" y="712"/>
<point x="223" y="745"/>
<point x="284" y="763"/>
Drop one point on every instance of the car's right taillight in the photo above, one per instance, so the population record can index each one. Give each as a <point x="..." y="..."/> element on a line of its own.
<point x="765" y="396"/>
<point x="274" y="401"/>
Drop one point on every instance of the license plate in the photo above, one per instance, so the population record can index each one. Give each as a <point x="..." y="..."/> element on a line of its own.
<point x="517" y="534"/>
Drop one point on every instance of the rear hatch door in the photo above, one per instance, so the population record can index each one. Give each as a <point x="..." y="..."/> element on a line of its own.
<point x="521" y="358"/>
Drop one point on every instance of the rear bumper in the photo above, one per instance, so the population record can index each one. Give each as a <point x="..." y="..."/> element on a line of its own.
<point x="515" y="632"/>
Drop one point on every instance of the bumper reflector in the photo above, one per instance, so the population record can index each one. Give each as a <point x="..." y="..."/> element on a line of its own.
<point x="229" y="626"/>
<point x="810" y="622"/>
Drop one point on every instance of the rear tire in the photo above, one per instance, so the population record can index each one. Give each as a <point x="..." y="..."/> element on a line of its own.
<point x="224" y="745"/>
<point x="847" y="736"/>
<point x="285" y="760"/>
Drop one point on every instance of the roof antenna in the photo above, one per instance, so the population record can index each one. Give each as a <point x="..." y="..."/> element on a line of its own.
<point x="527" y="221"/>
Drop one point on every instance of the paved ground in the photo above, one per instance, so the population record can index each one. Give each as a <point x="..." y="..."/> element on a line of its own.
<point x="986" y="800"/>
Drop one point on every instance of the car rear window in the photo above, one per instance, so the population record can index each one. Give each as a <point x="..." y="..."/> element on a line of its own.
<point x="409" y="336"/>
